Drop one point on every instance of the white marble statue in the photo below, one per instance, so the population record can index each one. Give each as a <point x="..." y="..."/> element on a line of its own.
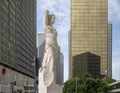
<point x="51" y="50"/>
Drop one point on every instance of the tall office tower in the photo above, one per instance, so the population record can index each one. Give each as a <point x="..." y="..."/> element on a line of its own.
<point x="41" y="47"/>
<point x="17" y="41"/>
<point x="40" y="55"/>
<point x="59" y="69"/>
<point x="89" y="19"/>
<point x="41" y="38"/>
<point x="41" y="50"/>
<point x="110" y="49"/>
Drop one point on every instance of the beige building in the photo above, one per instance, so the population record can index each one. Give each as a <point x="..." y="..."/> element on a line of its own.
<point x="89" y="22"/>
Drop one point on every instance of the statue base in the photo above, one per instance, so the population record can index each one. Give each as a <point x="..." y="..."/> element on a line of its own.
<point x="52" y="88"/>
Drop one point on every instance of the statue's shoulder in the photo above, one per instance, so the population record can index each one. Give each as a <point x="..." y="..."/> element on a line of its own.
<point x="49" y="28"/>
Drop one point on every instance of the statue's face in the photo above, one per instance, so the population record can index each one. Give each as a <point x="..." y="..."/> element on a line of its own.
<point x="52" y="19"/>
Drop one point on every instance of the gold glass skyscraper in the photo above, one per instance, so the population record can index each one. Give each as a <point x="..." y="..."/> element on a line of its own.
<point x="89" y="21"/>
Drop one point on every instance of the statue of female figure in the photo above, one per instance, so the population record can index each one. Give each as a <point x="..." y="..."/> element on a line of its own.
<point x="51" y="50"/>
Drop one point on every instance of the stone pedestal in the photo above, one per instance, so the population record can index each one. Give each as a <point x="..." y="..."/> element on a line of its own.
<point x="52" y="88"/>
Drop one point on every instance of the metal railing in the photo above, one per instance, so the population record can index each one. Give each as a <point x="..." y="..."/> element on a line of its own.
<point x="114" y="87"/>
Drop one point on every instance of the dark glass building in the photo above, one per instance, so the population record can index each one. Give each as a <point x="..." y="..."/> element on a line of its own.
<point x="18" y="35"/>
<point x="86" y="62"/>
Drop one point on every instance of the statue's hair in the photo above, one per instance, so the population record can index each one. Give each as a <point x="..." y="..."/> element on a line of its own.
<point x="49" y="17"/>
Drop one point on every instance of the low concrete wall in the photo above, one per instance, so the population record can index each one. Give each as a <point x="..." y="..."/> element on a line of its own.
<point x="9" y="76"/>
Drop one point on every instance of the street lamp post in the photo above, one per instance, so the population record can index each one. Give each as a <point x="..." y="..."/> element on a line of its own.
<point x="11" y="87"/>
<point x="36" y="69"/>
<point x="76" y="84"/>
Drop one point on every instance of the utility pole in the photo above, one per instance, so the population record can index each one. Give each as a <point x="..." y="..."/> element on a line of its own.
<point x="76" y="84"/>
<point x="36" y="70"/>
<point x="27" y="85"/>
<point x="11" y="87"/>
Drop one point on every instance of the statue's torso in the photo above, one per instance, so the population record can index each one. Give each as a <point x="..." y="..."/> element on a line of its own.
<point x="50" y="55"/>
<point x="51" y="37"/>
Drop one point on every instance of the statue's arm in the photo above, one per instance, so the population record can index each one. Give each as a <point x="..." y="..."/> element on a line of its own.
<point x="46" y="18"/>
<point x="47" y="27"/>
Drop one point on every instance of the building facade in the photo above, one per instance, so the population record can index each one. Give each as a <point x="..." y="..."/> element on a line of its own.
<point x="41" y="38"/>
<point x="89" y="24"/>
<point x="18" y="36"/>
<point x="60" y="69"/>
<point x="86" y="62"/>
<point x="41" y="47"/>
<point x="110" y="49"/>
<point x="41" y="50"/>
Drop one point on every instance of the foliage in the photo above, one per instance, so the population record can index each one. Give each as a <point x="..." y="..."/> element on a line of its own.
<point x="70" y="85"/>
<point x="86" y="84"/>
<point x="109" y="80"/>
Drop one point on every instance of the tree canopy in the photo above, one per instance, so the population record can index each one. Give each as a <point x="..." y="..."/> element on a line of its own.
<point x="109" y="80"/>
<point x="86" y="84"/>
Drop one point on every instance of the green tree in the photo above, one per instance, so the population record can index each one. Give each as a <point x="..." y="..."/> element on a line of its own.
<point x="101" y="86"/>
<point x="109" y="80"/>
<point x="70" y="85"/>
<point x="90" y="85"/>
<point x="85" y="85"/>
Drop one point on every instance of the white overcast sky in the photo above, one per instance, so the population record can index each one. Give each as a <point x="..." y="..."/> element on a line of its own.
<point x="61" y="8"/>
<point x="114" y="17"/>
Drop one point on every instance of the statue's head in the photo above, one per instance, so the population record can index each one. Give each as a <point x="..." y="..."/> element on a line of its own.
<point x="51" y="19"/>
